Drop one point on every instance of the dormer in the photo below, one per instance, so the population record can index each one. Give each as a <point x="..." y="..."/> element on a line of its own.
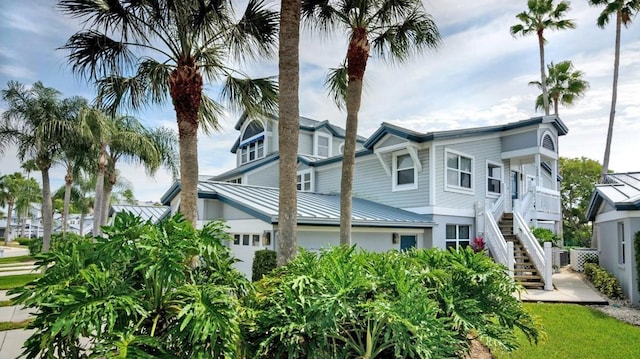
<point x="253" y="143"/>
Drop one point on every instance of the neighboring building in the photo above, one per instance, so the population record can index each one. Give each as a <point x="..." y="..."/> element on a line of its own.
<point x="452" y="180"/>
<point x="145" y="212"/>
<point x="615" y="212"/>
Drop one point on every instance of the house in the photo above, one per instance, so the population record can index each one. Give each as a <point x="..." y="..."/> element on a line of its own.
<point x="146" y="212"/>
<point x="462" y="184"/>
<point x="614" y="211"/>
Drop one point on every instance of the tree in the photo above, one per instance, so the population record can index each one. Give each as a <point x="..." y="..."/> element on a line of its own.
<point x="143" y="52"/>
<point x="579" y="176"/>
<point x="542" y="15"/>
<point x="396" y="30"/>
<point x="563" y="85"/>
<point x="624" y="11"/>
<point x="29" y="191"/>
<point x="35" y="123"/>
<point x="8" y="191"/>
<point x="288" y="127"/>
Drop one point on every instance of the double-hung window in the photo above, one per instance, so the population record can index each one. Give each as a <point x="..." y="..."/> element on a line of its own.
<point x="457" y="236"/>
<point x="405" y="175"/>
<point x="459" y="174"/>
<point x="305" y="181"/>
<point x="494" y="178"/>
<point x="252" y="144"/>
<point x="322" y="146"/>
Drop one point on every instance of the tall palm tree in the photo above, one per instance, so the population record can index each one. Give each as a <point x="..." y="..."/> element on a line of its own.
<point x="8" y="192"/>
<point x="624" y="11"/>
<point x="28" y="167"/>
<point x="35" y="123"/>
<point x="143" y="52"/>
<point x="564" y="85"/>
<point x="542" y="15"/>
<point x="76" y="153"/>
<point x="288" y="127"/>
<point x="29" y="192"/>
<point x="396" y="30"/>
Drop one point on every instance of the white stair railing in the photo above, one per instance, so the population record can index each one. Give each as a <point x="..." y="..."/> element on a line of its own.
<point x="531" y="245"/>
<point x="500" y="249"/>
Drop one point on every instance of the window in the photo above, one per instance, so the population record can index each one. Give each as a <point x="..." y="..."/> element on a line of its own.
<point x="304" y="181"/>
<point x="404" y="172"/>
<point x="237" y="180"/>
<point x="256" y="240"/>
<point x="621" y="244"/>
<point x="236" y="239"/>
<point x="341" y="148"/>
<point x="322" y="145"/>
<point x="494" y="178"/>
<point x="457" y="236"/>
<point x="252" y="143"/>
<point x="245" y="239"/>
<point x="547" y="142"/>
<point x="459" y="171"/>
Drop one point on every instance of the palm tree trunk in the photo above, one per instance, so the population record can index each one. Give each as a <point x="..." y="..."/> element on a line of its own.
<point x="97" y="205"/>
<point x="82" y="223"/>
<point x="543" y="75"/>
<point x="185" y="87"/>
<point x="106" y="201"/>
<point x="357" y="56"/>
<point x="7" y="230"/>
<point x="614" y="97"/>
<point x="47" y="210"/>
<point x="68" y="181"/>
<point x="555" y="106"/>
<point x="288" y="128"/>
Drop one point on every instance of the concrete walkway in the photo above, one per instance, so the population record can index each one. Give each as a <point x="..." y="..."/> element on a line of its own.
<point x="11" y="340"/>
<point x="13" y="251"/>
<point x="570" y="287"/>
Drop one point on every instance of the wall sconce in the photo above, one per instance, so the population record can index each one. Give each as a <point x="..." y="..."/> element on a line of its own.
<point x="395" y="238"/>
<point x="266" y="238"/>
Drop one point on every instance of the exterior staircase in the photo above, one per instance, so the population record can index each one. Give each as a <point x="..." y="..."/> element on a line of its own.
<point x="524" y="270"/>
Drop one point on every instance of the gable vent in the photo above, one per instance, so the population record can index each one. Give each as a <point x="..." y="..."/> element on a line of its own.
<point x="547" y="142"/>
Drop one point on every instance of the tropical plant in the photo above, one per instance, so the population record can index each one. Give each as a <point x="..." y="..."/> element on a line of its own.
<point x="624" y="11"/>
<point x="9" y="191"/>
<point x="542" y="15"/>
<point x="288" y="127"/>
<point x="579" y="176"/>
<point x="136" y="294"/>
<point x="144" y="52"/>
<point x="36" y="123"/>
<point x="563" y="85"/>
<point x="345" y="303"/>
<point x="264" y="262"/>
<point x="545" y="235"/>
<point x="397" y="30"/>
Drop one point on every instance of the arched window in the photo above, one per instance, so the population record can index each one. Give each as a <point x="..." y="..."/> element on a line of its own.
<point x="252" y="142"/>
<point x="547" y="142"/>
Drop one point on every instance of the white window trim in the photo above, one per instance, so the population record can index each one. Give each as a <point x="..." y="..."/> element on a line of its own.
<point x="622" y="239"/>
<point x="328" y="136"/>
<point x="264" y="133"/>
<point x="486" y="187"/>
<point x="394" y="173"/>
<point x="311" y="178"/>
<point x="458" y="189"/>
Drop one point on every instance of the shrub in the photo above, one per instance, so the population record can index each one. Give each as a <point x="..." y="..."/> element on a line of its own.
<point x="142" y="291"/>
<point x="263" y="263"/>
<point x="23" y="241"/>
<point x="346" y="303"/>
<point x="545" y="235"/>
<point x="35" y="246"/>
<point x="604" y="281"/>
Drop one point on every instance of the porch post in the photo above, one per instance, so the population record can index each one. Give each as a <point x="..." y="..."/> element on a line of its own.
<point x="510" y="258"/>
<point x="554" y="175"/>
<point x="537" y="156"/>
<point x="548" y="268"/>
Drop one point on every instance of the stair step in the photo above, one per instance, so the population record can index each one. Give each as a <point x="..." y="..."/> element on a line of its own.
<point x="533" y="271"/>
<point x="532" y="284"/>
<point x="507" y="215"/>
<point x="523" y="278"/>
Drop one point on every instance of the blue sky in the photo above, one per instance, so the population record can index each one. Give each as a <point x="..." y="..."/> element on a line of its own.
<point x="477" y="77"/>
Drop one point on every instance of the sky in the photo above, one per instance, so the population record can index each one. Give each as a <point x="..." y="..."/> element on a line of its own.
<point x="478" y="76"/>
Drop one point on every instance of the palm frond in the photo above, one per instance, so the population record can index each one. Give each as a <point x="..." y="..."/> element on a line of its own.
<point x="256" y="34"/>
<point x="255" y="97"/>
<point x="336" y="84"/>
<point x="209" y="114"/>
<point x="397" y="42"/>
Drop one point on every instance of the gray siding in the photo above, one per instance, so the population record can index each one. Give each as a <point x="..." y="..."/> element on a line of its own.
<point x="481" y="151"/>
<point x="439" y="231"/>
<point x="520" y="141"/>
<point x="214" y="209"/>
<point x="335" y="145"/>
<point x="371" y="182"/>
<point x="264" y="176"/>
<point x="392" y="140"/>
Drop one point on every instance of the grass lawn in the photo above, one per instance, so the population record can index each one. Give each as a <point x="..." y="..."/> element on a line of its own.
<point x="14" y="325"/>
<point x="18" y="259"/>
<point x="575" y="331"/>
<point x="12" y="281"/>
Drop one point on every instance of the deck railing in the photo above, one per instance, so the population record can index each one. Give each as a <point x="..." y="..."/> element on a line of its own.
<point x="541" y="259"/>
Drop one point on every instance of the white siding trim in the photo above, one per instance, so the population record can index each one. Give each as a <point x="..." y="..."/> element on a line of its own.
<point x="404" y="187"/>
<point x="328" y="136"/>
<point x="443" y="211"/>
<point x="616" y="216"/>
<point x="486" y="179"/>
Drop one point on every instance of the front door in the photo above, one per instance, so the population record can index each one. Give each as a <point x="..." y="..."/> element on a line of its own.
<point x="514" y="185"/>
<point x="407" y="242"/>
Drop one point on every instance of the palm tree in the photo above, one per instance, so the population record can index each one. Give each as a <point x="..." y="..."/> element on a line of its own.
<point x="29" y="191"/>
<point x="624" y="11"/>
<point x="396" y="30"/>
<point x="563" y="85"/>
<point x="76" y="153"/>
<point x="542" y="15"/>
<point x="288" y="127"/>
<point x="7" y="198"/>
<point x="143" y="52"/>
<point x="28" y="167"/>
<point x="34" y="122"/>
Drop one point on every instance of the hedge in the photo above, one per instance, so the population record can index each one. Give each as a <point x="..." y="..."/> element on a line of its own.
<point x="636" y="244"/>
<point x="263" y="263"/>
<point x="604" y="281"/>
